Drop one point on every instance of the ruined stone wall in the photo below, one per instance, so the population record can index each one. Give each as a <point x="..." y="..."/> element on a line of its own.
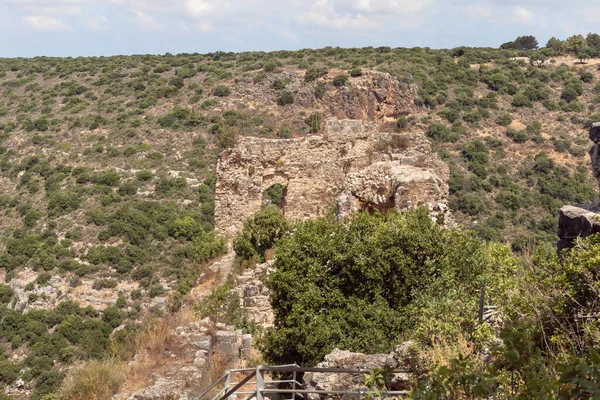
<point x="314" y="170"/>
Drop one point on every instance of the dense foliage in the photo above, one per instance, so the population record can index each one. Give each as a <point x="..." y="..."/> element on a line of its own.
<point x="382" y="279"/>
<point x="361" y="286"/>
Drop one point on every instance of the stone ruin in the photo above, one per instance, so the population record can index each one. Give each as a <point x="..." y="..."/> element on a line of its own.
<point x="351" y="166"/>
<point x="582" y="220"/>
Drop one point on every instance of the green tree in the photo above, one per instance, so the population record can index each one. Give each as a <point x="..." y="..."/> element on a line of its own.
<point x="593" y="41"/>
<point x="538" y="58"/>
<point x="359" y="286"/>
<point x="574" y="44"/>
<point x="556" y="45"/>
<point x="260" y="233"/>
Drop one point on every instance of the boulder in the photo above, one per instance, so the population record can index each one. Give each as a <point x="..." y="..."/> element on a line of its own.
<point x="577" y="221"/>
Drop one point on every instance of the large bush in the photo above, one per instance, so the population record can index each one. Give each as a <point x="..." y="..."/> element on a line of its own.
<point x="361" y="286"/>
<point x="260" y="233"/>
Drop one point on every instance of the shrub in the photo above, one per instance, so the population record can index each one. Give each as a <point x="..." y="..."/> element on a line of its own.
<point x="355" y="72"/>
<point x="359" y="286"/>
<point x="60" y="203"/>
<point x="476" y="152"/>
<point x="96" y="379"/>
<point x="517" y="136"/>
<point x="470" y="203"/>
<point x="270" y="66"/>
<point x="156" y="290"/>
<point x="586" y="77"/>
<point x="314" y="73"/>
<point x="521" y="100"/>
<point x="6" y="294"/>
<point x="402" y="123"/>
<point x="128" y="188"/>
<point x="100" y="284"/>
<point x="144" y="175"/>
<point x="285" y="99"/>
<point x="221" y="91"/>
<point x="112" y="316"/>
<point x="208" y="245"/>
<point x="260" y="233"/>
<point x="314" y="122"/>
<point x="442" y="133"/>
<point x="340" y="80"/>
<point x="285" y="133"/>
<point x="320" y="90"/>
<point x="569" y="94"/>
<point x="274" y="194"/>
<point x="108" y="178"/>
<point x="43" y="278"/>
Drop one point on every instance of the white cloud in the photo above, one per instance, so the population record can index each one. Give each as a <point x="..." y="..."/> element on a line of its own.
<point x="523" y="15"/>
<point x="200" y="7"/>
<point x="390" y="6"/>
<point x="205" y="26"/>
<point x="147" y="22"/>
<point x="45" y="23"/>
<point x="477" y="11"/>
<point x="59" y="8"/>
<point x="324" y="15"/>
<point x="98" y="23"/>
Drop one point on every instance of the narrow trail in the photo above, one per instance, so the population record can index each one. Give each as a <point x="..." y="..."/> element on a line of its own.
<point x="219" y="270"/>
<point x="175" y="357"/>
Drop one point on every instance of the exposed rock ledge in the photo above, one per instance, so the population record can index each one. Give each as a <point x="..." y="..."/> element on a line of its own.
<point x="577" y="221"/>
<point x="582" y="220"/>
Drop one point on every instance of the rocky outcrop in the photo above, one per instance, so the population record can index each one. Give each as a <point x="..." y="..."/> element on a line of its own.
<point x="370" y="169"/>
<point x="362" y="363"/>
<point x="577" y="221"/>
<point x="582" y="220"/>
<point x="373" y="96"/>
<point x="29" y="294"/>
<point x="392" y="185"/>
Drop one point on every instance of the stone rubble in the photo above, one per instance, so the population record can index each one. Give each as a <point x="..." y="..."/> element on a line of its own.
<point x="254" y="295"/>
<point x="363" y="363"/>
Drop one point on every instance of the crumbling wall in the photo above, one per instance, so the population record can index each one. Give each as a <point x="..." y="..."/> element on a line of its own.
<point x="315" y="170"/>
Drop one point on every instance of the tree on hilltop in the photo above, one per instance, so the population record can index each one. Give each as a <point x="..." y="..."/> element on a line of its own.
<point x="538" y="58"/>
<point x="555" y="44"/>
<point x="574" y="44"/>
<point x="527" y="42"/>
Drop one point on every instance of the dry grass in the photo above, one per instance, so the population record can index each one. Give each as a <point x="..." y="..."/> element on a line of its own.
<point x="442" y="352"/>
<point x="157" y="337"/>
<point x="94" y="380"/>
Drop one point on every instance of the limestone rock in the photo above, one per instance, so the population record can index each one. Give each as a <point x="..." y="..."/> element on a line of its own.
<point x="391" y="185"/>
<point x="575" y="221"/>
<point x="314" y="170"/>
<point x="362" y="363"/>
<point x="254" y="295"/>
<point x="582" y="220"/>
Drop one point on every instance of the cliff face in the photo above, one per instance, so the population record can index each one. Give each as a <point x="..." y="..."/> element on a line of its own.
<point x="373" y="96"/>
<point x="582" y="220"/>
<point x="351" y="165"/>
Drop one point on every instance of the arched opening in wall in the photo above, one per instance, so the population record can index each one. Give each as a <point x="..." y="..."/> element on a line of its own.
<point x="383" y="208"/>
<point x="275" y="194"/>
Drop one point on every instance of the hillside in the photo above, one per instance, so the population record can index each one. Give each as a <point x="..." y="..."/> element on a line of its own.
<point x="107" y="167"/>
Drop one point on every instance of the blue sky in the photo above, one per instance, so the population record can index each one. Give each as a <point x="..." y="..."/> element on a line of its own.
<point x="108" y="27"/>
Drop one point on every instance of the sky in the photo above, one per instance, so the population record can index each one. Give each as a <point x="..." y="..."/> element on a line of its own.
<point x="74" y="28"/>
